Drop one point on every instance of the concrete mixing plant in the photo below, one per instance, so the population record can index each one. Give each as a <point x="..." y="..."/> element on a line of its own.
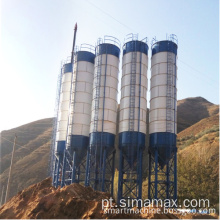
<point x="101" y="150"/>
<point x="79" y="116"/>
<point x="162" y="121"/>
<point x="84" y="148"/>
<point x="132" y="122"/>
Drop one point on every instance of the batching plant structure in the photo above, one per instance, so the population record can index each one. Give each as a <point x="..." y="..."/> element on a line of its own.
<point x="132" y="122"/>
<point x="62" y="121"/>
<point x="74" y="166"/>
<point x="101" y="150"/>
<point x="162" y="121"/>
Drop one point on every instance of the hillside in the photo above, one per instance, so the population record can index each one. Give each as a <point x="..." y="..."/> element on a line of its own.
<point x="198" y="161"/>
<point x="31" y="159"/>
<point x="192" y="110"/>
<point x="25" y="134"/>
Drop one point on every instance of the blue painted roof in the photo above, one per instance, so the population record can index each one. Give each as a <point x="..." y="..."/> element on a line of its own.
<point x="85" y="56"/>
<point x="107" y="49"/>
<point x="164" y="46"/>
<point x="67" y="68"/>
<point x="135" y="45"/>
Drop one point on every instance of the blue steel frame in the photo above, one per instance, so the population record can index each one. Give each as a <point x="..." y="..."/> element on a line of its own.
<point x="73" y="173"/>
<point x="130" y="177"/>
<point x="57" y="171"/>
<point x="100" y="171"/>
<point x="162" y="181"/>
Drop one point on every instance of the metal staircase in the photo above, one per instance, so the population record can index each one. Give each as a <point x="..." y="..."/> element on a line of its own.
<point x="132" y="91"/>
<point x="169" y="91"/>
<point x="97" y="82"/>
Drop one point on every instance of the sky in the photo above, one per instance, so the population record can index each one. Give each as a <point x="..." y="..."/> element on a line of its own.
<point x="36" y="35"/>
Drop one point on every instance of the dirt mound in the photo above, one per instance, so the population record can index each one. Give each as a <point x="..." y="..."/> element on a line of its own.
<point x="43" y="201"/>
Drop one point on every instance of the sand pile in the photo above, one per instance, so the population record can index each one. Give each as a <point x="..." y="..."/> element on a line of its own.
<point x="42" y="201"/>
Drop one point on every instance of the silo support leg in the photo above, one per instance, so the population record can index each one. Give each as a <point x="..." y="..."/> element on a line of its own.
<point x="58" y="171"/>
<point x="113" y="173"/>
<point x="149" y="177"/>
<point x="175" y="176"/>
<point x="120" y="178"/>
<point x="155" y="173"/>
<point x="55" y="172"/>
<point x="63" y="170"/>
<point x="103" y="171"/>
<point x="73" y="176"/>
<point x="139" y="173"/>
<point x="87" y="168"/>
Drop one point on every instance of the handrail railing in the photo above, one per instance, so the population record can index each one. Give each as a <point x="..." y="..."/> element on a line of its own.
<point x="133" y="37"/>
<point x="171" y="37"/>
<point x="87" y="47"/>
<point x="109" y="39"/>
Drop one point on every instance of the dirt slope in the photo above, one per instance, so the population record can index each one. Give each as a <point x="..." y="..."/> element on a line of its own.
<point x="192" y="110"/>
<point x="204" y="124"/>
<point x="198" y="161"/>
<point x="26" y="135"/>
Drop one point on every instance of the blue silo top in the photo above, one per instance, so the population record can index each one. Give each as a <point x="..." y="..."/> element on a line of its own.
<point x="67" y="68"/>
<point x="135" y="45"/>
<point x="85" y="56"/>
<point x="164" y="46"/>
<point x="107" y="49"/>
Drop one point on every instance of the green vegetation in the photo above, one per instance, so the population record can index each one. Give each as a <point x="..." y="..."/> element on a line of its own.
<point x="197" y="179"/>
<point x="215" y="128"/>
<point x="189" y="140"/>
<point x="198" y="169"/>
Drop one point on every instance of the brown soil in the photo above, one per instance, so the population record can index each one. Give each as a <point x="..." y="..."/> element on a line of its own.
<point x="200" y="126"/>
<point x="42" y="201"/>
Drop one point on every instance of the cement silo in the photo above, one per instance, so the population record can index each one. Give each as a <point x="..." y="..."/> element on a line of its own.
<point x="79" y="115"/>
<point x="100" y="157"/>
<point x="132" y="122"/>
<point x="162" y="120"/>
<point x="62" y="120"/>
<point x="62" y="117"/>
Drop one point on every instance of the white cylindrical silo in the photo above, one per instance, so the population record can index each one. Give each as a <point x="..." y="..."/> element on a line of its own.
<point x="81" y="99"/>
<point x="133" y="104"/>
<point x="63" y="111"/>
<point x="163" y="99"/>
<point x="101" y="151"/>
<point x="104" y="102"/>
